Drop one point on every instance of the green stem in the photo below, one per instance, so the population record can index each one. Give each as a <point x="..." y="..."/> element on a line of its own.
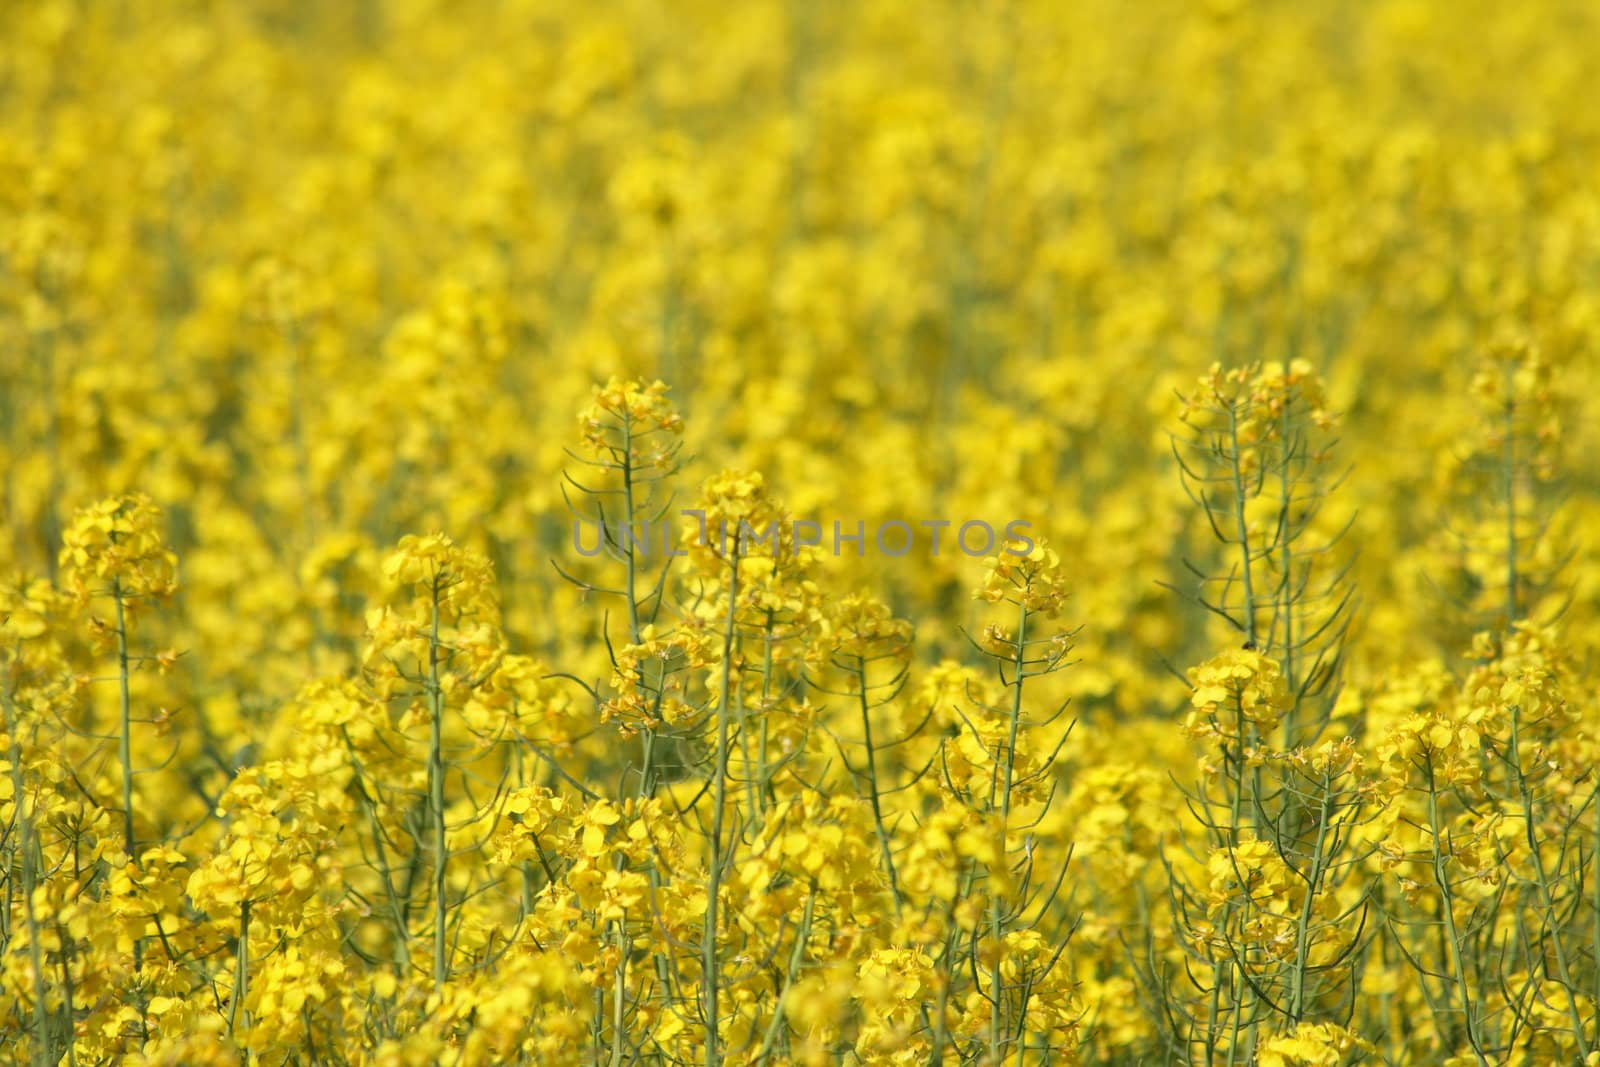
<point x="619" y="1000"/>
<point x="996" y="912"/>
<point x="1286" y="564"/>
<point x="237" y="1018"/>
<point x="1509" y="489"/>
<point x="41" y="1012"/>
<point x="1542" y="877"/>
<point x="872" y="780"/>
<point x="1446" y="899"/>
<point x="763" y="747"/>
<point x="125" y="731"/>
<point x="802" y="935"/>
<point x="1302" y="934"/>
<point x="441" y="962"/>
<point x="1243" y="529"/>
<point x="708" y="939"/>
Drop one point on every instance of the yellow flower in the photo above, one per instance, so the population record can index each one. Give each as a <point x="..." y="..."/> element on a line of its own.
<point x="1027" y="574"/>
<point x="117" y="547"/>
<point x="1234" y="689"/>
<point x="1310" y="1045"/>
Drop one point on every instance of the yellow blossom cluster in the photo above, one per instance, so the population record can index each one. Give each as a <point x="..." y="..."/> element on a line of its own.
<point x="1235" y="692"/>
<point x="117" y="548"/>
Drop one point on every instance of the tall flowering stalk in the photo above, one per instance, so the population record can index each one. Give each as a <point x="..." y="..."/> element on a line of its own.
<point x="1281" y="809"/>
<point x="116" y="550"/>
<point x="30" y="670"/>
<point x="1510" y="554"/>
<point x="426" y="654"/>
<point x="1253" y="455"/>
<point x="1023" y="937"/>
<point x="870" y="648"/>
<point x="730" y="504"/>
<point x="631" y="439"/>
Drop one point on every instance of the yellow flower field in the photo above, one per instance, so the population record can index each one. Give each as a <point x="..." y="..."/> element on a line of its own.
<point x="800" y="532"/>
